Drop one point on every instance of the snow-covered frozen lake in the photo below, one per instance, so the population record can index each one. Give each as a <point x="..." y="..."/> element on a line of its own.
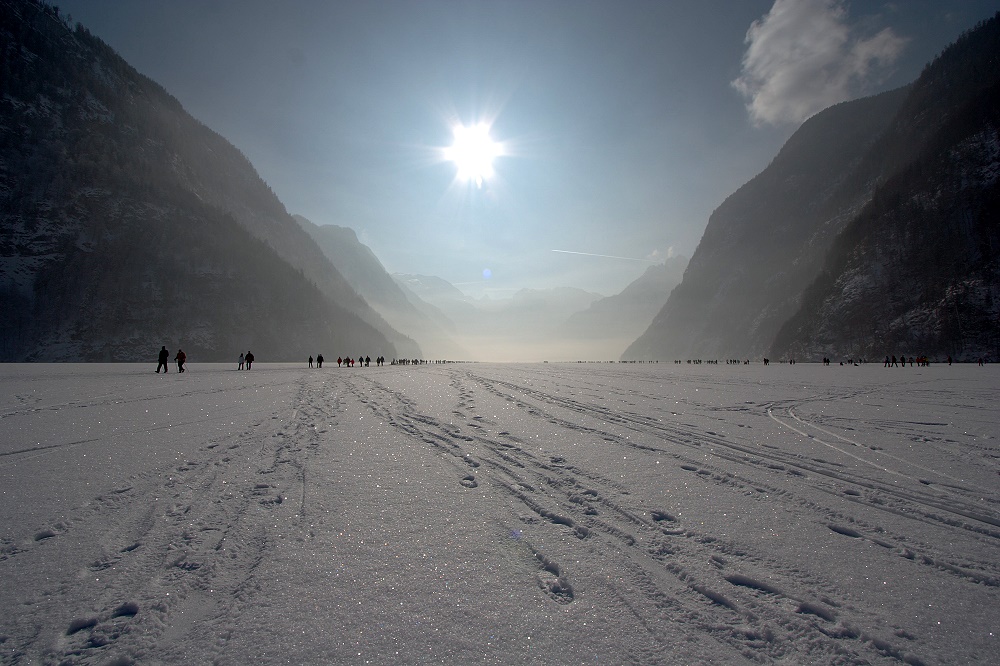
<point x="499" y="514"/>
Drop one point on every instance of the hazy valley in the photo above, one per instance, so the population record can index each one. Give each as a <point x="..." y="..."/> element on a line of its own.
<point x="127" y="224"/>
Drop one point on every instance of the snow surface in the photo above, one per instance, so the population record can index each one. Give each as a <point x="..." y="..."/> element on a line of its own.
<point x="549" y="513"/>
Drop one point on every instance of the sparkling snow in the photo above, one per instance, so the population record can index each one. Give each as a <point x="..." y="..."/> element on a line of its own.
<point x="499" y="514"/>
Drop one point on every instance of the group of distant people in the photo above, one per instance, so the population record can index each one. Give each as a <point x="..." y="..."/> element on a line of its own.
<point x="921" y="361"/>
<point x="180" y="358"/>
<point x="246" y="360"/>
<point x="348" y="362"/>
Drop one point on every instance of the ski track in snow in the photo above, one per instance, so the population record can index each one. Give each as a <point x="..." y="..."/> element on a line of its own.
<point x="499" y="514"/>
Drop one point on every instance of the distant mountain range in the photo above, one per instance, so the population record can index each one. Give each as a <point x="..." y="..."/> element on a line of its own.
<point x="528" y="326"/>
<point x="874" y="231"/>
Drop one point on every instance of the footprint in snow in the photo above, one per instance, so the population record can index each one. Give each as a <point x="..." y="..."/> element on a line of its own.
<point x="846" y="531"/>
<point x="666" y="522"/>
<point x="552" y="581"/>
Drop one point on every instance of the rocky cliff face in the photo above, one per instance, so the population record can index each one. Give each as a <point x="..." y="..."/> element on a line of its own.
<point x="127" y="224"/>
<point x="851" y="168"/>
<point x="917" y="272"/>
<point x="766" y="241"/>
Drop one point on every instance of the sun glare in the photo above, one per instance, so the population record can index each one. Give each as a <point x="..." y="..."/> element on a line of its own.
<point x="473" y="152"/>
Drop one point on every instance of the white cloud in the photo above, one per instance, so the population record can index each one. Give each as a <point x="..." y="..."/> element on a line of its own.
<point x="802" y="57"/>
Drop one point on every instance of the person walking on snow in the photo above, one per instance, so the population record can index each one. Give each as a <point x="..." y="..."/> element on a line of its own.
<point x="180" y="358"/>
<point x="241" y="361"/>
<point x="164" y="357"/>
<point x="249" y="360"/>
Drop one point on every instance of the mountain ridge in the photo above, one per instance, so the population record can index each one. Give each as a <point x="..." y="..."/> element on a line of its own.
<point x="93" y="153"/>
<point x="777" y="246"/>
<point x="763" y="242"/>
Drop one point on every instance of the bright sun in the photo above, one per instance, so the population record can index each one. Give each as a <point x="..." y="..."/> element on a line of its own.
<point x="473" y="152"/>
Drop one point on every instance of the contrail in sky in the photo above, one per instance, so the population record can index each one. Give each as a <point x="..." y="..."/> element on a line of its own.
<point x="606" y="256"/>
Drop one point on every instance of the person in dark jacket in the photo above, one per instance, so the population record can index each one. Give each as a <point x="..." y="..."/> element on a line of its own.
<point x="180" y="358"/>
<point x="164" y="357"/>
<point x="249" y="359"/>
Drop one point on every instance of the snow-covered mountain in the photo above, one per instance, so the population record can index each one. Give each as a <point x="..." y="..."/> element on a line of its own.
<point x="126" y="224"/>
<point x="894" y="195"/>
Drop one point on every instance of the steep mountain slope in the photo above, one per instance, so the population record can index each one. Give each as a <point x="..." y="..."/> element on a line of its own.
<point x="918" y="271"/>
<point x="127" y="224"/>
<point x="766" y="241"/>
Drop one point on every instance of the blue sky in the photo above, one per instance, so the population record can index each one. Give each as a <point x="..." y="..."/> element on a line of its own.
<point x="623" y="124"/>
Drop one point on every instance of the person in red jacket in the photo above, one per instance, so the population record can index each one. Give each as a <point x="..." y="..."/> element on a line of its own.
<point x="180" y="358"/>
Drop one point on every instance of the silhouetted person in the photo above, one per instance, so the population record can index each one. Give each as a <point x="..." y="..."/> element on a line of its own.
<point x="310" y="361"/>
<point x="339" y="361"/>
<point x="180" y="358"/>
<point x="319" y="361"/>
<point x="368" y="361"/>
<point x="163" y="358"/>
<point x="242" y="361"/>
<point x="249" y="360"/>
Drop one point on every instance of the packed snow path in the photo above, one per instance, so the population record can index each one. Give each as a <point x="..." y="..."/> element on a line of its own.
<point x="550" y="513"/>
